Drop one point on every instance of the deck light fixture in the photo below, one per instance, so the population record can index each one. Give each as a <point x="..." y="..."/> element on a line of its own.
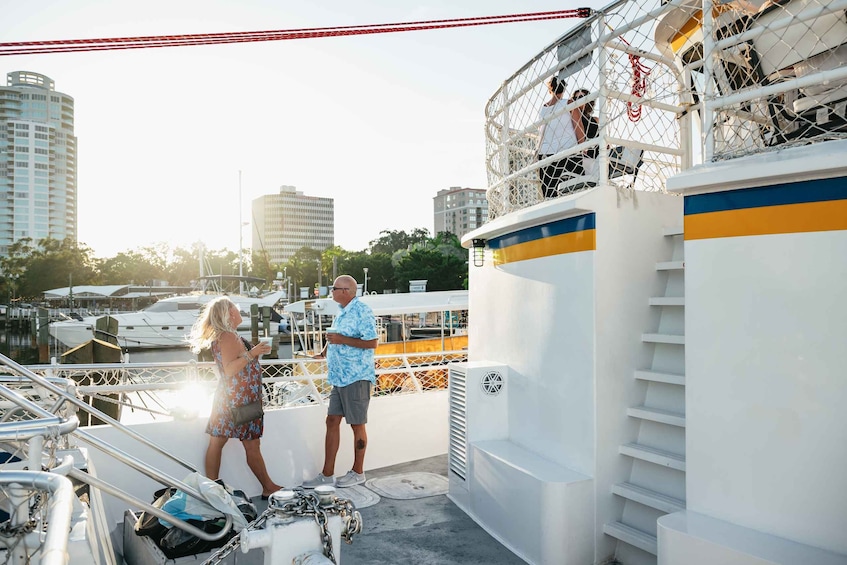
<point x="478" y="252"/>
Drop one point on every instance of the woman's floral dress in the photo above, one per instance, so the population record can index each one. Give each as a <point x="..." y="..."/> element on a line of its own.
<point x="240" y="389"/>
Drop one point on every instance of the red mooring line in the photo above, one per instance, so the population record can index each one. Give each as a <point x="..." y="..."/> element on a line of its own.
<point x="152" y="41"/>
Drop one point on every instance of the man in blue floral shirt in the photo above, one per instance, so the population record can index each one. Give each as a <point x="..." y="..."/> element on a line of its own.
<point x="350" y="365"/>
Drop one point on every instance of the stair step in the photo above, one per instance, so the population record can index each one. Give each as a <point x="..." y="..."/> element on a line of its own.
<point x="648" y="497"/>
<point x="673" y="230"/>
<point x="670" y="265"/>
<point x="663" y="338"/>
<point x="632" y="536"/>
<point x="656" y="415"/>
<point x="658" y="377"/>
<point x="667" y="301"/>
<point x="653" y="455"/>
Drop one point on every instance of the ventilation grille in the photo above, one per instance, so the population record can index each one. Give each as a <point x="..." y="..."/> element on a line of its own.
<point x="458" y="453"/>
<point x="492" y="383"/>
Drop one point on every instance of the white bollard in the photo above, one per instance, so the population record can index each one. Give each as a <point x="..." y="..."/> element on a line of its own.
<point x="285" y="538"/>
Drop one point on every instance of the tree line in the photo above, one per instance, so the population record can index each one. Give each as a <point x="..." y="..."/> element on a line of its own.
<point x="393" y="259"/>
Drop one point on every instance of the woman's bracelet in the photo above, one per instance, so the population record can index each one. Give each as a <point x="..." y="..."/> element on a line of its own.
<point x="246" y="355"/>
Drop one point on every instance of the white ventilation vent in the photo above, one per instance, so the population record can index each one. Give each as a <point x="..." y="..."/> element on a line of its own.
<point x="458" y="452"/>
<point x="492" y="383"/>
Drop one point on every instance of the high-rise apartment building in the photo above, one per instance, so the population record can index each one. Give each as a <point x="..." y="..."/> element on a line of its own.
<point x="285" y="222"/>
<point x="459" y="210"/>
<point x="38" y="192"/>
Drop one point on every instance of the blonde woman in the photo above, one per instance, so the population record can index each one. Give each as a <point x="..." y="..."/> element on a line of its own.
<point x="240" y="383"/>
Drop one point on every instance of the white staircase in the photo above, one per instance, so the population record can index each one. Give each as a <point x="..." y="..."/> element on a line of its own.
<point x="656" y="484"/>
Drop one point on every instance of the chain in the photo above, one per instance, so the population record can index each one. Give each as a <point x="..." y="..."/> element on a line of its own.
<point x="303" y="504"/>
<point x="234" y="543"/>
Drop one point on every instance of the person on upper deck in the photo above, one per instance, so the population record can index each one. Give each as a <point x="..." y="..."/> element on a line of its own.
<point x="558" y="133"/>
<point x="350" y="370"/>
<point x="240" y="383"/>
<point x="591" y="127"/>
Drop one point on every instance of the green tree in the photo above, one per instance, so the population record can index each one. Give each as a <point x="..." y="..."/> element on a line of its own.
<point x="184" y="267"/>
<point x="130" y="267"/>
<point x="13" y="266"/>
<point x="50" y="264"/>
<point x="302" y="267"/>
<point x="391" y="241"/>
<point x="262" y="266"/>
<point x="380" y="270"/>
<point x="442" y="272"/>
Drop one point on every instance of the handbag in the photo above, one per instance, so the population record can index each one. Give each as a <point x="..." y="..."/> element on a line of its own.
<point x="247" y="412"/>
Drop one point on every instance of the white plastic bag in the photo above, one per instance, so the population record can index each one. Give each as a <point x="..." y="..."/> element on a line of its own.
<point x="218" y="503"/>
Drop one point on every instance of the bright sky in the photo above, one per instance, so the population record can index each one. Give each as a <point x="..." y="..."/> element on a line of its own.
<point x="380" y="123"/>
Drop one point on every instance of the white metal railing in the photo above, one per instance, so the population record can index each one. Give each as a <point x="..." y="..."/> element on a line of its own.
<point x="775" y="77"/>
<point x="680" y="88"/>
<point x="637" y="92"/>
<point x="51" y="394"/>
<point x="287" y="382"/>
<point x="32" y="431"/>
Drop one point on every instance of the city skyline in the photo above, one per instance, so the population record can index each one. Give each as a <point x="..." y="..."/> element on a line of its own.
<point x="378" y="123"/>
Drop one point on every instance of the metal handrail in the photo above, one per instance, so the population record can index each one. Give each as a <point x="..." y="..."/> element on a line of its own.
<point x="113" y="452"/>
<point x="91" y="410"/>
<point x="54" y="550"/>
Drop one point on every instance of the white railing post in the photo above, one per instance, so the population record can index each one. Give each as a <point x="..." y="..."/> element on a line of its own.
<point x="711" y="81"/>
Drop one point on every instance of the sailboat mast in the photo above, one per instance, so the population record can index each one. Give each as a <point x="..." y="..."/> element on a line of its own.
<point x="240" y="239"/>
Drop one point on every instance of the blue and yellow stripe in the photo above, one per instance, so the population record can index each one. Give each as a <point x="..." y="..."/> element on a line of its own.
<point x="556" y="238"/>
<point x="808" y="206"/>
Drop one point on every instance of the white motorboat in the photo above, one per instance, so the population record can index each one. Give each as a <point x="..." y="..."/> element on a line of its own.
<point x="165" y="323"/>
<point x="655" y="369"/>
<point x="400" y="317"/>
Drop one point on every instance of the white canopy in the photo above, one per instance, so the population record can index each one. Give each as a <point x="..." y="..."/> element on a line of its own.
<point x="386" y="304"/>
<point x="87" y="291"/>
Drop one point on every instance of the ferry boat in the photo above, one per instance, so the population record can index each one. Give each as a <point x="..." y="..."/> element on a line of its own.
<point x="655" y="357"/>
<point x="679" y="395"/>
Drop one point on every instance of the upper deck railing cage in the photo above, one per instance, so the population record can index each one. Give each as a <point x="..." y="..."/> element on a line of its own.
<point x="778" y="73"/>
<point x="775" y="76"/>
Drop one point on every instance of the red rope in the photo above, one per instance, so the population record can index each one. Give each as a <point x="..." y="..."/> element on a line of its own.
<point x="143" y="42"/>
<point x="640" y="72"/>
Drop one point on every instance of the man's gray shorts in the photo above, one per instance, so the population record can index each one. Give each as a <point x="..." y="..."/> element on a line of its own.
<point x="351" y="401"/>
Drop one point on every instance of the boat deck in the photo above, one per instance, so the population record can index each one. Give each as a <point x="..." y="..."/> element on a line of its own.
<point x="423" y="531"/>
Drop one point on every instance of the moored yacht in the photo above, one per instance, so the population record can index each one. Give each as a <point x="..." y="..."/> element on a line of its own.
<point x="165" y="323"/>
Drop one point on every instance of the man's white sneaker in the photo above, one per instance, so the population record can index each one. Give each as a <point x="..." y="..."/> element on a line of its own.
<point x="351" y="479"/>
<point x="321" y="479"/>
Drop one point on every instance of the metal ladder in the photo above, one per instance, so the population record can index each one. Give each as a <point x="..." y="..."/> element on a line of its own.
<point x="656" y="485"/>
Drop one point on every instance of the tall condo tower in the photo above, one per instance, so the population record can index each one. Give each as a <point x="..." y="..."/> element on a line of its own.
<point x="459" y="210"/>
<point x="285" y="222"/>
<point x="38" y="191"/>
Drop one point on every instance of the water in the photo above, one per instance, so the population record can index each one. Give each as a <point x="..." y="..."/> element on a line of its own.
<point x="18" y="346"/>
<point x="21" y="347"/>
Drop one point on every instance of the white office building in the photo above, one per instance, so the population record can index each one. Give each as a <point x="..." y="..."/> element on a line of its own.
<point x="38" y="191"/>
<point x="285" y="222"/>
<point x="459" y="210"/>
